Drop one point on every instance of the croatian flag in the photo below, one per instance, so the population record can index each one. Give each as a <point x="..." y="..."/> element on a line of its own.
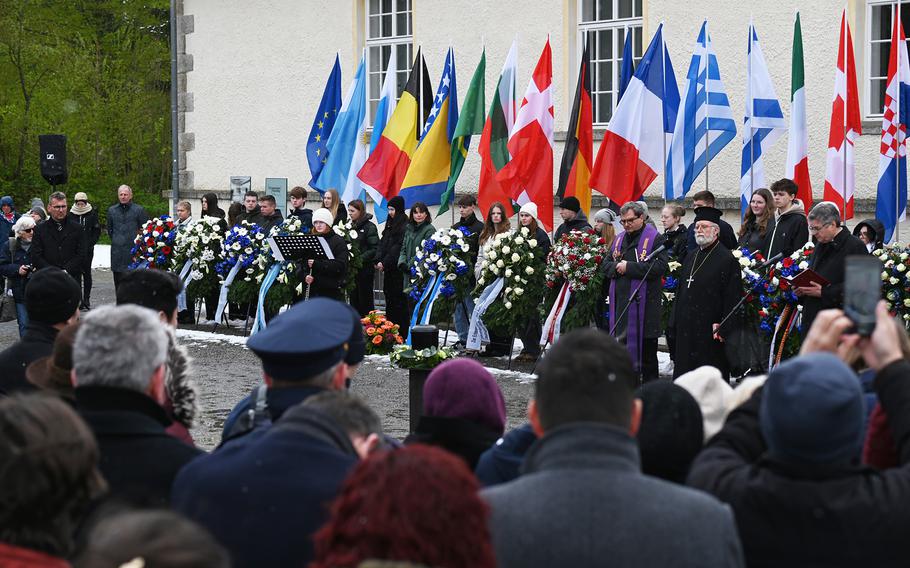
<point x="704" y="124"/>
<point x="891" y="201"/>
<point x="764" y="121"/>
<point x="633" y="149"/>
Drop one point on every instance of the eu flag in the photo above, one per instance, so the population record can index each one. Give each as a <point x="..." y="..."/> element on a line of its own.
<point x="323" y="123"/>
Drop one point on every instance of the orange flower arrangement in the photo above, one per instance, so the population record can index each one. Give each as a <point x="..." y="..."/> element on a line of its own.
<point x="381" y="334"/>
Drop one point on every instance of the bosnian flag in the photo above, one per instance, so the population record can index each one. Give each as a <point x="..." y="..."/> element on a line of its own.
<point x="632" y="152"/>
<point x="891" y="201"/>
<point x="846" y="127"/>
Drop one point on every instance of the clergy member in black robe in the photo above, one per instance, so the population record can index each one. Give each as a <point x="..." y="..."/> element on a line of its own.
<point x="624" y="270"/>
<point x="710" y="285"/>
<point x="833" y="244"/>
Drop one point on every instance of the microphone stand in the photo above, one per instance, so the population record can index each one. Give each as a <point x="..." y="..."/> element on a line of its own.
<point x="768" y="264"/>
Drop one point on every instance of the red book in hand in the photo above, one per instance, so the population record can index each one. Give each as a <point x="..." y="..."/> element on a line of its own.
<point x="807" y="278"/>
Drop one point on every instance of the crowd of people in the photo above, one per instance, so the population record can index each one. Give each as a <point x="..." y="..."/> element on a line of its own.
<point x="807" y="465"/>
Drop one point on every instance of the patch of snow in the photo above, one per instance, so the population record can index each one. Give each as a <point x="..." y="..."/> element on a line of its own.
<point x="194" y="335"/>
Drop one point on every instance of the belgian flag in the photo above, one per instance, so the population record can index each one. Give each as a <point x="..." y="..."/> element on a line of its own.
<point x="575" y="170"/>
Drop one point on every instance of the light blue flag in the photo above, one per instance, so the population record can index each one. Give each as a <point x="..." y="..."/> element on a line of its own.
<point x="705" y="123"/>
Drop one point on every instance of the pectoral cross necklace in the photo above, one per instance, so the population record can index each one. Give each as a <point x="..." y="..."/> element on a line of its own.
<point x="696" y="267"/>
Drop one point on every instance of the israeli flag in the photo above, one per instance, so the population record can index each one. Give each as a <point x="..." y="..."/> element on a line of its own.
<point x="763" y="123"/>
<point x="705" y="123"/>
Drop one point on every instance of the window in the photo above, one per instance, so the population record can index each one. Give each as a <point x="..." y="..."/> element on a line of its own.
<point x="389" y="32"/>
<point x="879" y="50"/>
<point x="604" y="25"/>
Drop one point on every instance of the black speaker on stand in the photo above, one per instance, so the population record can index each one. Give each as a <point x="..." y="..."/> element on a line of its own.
<point x="53" y="158"/>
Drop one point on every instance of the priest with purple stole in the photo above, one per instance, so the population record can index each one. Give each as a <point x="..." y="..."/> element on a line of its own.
<point x="710" y="285"/>
<point x="635" y="277"/>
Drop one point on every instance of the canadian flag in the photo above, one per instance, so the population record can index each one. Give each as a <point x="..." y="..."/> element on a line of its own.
<point x="528" y="177"/>
<point x="846" y="127"/>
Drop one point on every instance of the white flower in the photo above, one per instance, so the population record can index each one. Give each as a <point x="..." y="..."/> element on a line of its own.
<point x="494" y="269"/>
<point x="500" y="263"/>
<point x="196" y="275"/>
<point x="744" y="262"/>
<point x="901" y="267"/>
<point x="508" y="305"/>
<point x="451" y="276"/>
<point x="737" y="253"/>
<point x="434" y="257"/>
<point x="465" y="247"/>
<point x="803" y="265"/>
<point x="446" y="241"/>
<point x="893" y="281"/>
<point x="506" y="250"/>
<point x="350" y="246"/>
<point x="208" y="254"/>
<point x="442" y="268"/>
<point x="353" y="234"/>
<point x="300" y="288"/>
<point x="419" y="254"/>
<point x="260" y="236"/>
<point x="515" y="257"/>
<point x="519" y="239"/>
<point x="884" y="275"/>
<point x="533" y="243"/>
<point x="491" y="255"/>
<point x="248" y="250"/>
<point x="205" y="240"/>
<point x="282" y="278"/>
<point x="907" y="303"/>
<point x="480" y="282"/>
<point x="508" y="290"/>
<point x="250" y="270"/>
<point x="529" y="270"/>
<point x="151" y="249"/>
<point x="519" y="291"/>
<point x="524" y="231"/>
<point x="508" y="272"/>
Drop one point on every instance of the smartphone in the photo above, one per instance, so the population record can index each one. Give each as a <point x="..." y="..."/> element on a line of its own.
<point x="862" y="291"/>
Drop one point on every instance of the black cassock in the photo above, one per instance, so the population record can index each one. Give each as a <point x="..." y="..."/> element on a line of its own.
<point x="715" y="287"/>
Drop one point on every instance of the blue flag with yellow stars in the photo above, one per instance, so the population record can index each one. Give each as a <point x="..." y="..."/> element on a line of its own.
<point x="323" y="123"/>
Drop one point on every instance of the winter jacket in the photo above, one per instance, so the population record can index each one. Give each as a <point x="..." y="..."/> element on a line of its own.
<point x="829" y="261"/>
<point x="305" y="215"/>
<point x="472" y="227"/>
<point x="579" y="223"/>
<point x="876" y="228"/>
<point x="6" y="226"/>
<point x="90" y="224"/>
<point x="329" y="276"/>
<point x="12" y="257"/>
<point x="636" y="270"/>
<point x="543" y="242"/>
<point x="582" y="500"/>
<point x="264" y="497"/>
<point x="267" y="223"/>
<point x="277" y="402"/>
<point x="676" y="242"/>
<point x="390" y="245"/>
<point x="247" y="216"/>
<point x="413" y="236"/>
<point x="752" y="238"/>
<point x="61" y="245"/>
<point x="180" y="389"/>
<point x="37" y="342"/>
<point x="788" y="233"/>
<point x="123" y="224"/>
<point x="464" y="438"/>
<point x="139" y="459"/>
<point x="368" y="241"/>
<point x="501" y="462"/>
<point x="788" y="515"/>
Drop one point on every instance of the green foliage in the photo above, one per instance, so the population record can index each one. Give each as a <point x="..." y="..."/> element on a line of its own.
<point x="97" y="71"/>
<point x="406" y="357"/>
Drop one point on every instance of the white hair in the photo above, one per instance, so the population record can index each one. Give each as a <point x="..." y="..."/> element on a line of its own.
<point x="119" y="346"/>
<point x="126" y="187"/>
<point x="24" y="222"/>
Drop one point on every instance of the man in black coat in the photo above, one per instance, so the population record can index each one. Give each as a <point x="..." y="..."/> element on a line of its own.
<point x="52" y="301"/>
<point x="269" y="215"/>
<point x="86" y="216"/>
<point x="471" y="226"/>
<point x="727" y="237"/>
<point x="787" y="461"/>
<point x="573" y="218"/>
<point x="833" y="244"/>
<point x="59" y="241"/>
<point x="250" y="207"/>
<point x="297" y="197"/>
<point x="119" y="361"/>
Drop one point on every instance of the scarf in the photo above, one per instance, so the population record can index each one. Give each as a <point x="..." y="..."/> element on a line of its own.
<point x="76" y="209"/>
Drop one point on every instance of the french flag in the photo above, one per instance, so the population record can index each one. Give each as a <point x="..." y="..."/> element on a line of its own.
<point x="633" y="150"/>
<point x="891" y="201"/>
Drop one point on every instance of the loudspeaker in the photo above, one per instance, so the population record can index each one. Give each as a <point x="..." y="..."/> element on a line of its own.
<point x="53" y="157"/>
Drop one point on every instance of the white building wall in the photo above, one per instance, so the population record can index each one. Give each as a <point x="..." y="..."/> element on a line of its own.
<point x="259" y="68"/>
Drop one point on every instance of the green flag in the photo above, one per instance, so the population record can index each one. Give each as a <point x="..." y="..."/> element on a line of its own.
<point x="470" y="121"/>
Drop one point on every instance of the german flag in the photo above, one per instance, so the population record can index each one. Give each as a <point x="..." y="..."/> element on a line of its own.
<point x="575" y="170"/>
<point x="387" y="165"/>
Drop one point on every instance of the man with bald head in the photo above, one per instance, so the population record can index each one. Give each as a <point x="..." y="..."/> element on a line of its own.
<point x="124" y="220"/>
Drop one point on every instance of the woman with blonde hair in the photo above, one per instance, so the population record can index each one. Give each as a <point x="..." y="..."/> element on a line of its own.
<point x="332" y="201"/>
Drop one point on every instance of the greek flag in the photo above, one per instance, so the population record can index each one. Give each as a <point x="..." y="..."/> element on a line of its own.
<point x="763" y="123"/>
<point x="705" y="123"/>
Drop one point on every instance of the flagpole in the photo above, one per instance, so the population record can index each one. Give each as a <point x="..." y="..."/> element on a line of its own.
<point x="707" y="96"/>
<point x="900" y="143"/>
<point x="452" y="49"/>
<point x="846" y="96"/>
<point x="663" y="108"/>
<point x="749" y="102"/>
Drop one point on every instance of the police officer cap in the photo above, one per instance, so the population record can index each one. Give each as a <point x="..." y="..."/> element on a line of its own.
<point x="357" y="344"/>
<point x="304" y="341"/>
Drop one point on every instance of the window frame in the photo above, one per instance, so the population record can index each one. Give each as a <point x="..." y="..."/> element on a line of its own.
<point x="392" y="41"/>
<point x="583" y="28"/>
<point x="867" y="57"/>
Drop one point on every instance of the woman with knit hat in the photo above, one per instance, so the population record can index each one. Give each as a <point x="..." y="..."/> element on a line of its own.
<point x="463" y="410"/>
<point x="86" y="216"/>
<point x="530" y="337"/>
<point x="322" y="276"/>
<point x="396" y="304"/>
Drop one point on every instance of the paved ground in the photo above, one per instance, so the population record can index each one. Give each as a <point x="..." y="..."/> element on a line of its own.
<point x="226" y="371"/>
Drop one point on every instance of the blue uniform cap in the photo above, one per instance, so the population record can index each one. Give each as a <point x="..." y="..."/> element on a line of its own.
<point x="304" y="341"/>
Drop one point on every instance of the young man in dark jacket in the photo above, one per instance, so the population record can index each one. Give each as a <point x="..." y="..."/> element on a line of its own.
<point x="573" y="218"/>
<point x="471" y="226"/>
<point x="297" y="197"/>
<point x="269" y="215"/>
<point x="59" y="241"/>
<point x="787" y="461"/>
<point x="86" y="216"/>
<point x="790" y="230"/>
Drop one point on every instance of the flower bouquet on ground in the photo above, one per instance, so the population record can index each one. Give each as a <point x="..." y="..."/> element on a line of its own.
<point x="345" y="229"/>
<point x="514" y="257"/>
<point x="439" y="274"/>
<point x="779" y="306"/>
<point x="154" y="245"/>
<point x="895" y="280"/>
<point x="382" y="335"/>
<point x="245" y="245"/>
<point x="287" y="286"/>
<point x="406" y="357"/>
<point x="574" y="262"/>
<point x="200" y="244"/>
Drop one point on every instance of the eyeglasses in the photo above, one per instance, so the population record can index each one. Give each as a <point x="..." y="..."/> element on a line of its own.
<point x="817" y="229"/>
<point x="58" y="206"/>
<point x="627" y="222"/>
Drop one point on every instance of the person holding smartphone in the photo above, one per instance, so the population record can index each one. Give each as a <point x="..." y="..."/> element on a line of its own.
<point x="833" y="244"/>
<point x="16" y="265"/>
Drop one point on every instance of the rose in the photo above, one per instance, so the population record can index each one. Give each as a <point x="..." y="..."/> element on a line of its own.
<point x="515" y="257"/>
<point x="533" y="243"/>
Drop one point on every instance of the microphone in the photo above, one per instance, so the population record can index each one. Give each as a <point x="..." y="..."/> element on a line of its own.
<point x="655" y="252"/>
<point x="772" y="260"/>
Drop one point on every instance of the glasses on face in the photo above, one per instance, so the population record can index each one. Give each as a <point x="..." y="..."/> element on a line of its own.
<point x="58" y="206"/>
<point x="629" y="221"/>
<point x="817" y="229"/>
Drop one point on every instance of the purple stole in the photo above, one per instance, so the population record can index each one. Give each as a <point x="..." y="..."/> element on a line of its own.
<point x="637" y="309"/>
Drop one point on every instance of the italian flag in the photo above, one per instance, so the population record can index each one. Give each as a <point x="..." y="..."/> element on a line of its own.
<point x="494" y="154"/>
<point x="798" y="145"/>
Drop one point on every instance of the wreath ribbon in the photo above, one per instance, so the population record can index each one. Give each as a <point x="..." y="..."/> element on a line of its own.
<point x="477" y="330"/>
<point x="553" y="322"/>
